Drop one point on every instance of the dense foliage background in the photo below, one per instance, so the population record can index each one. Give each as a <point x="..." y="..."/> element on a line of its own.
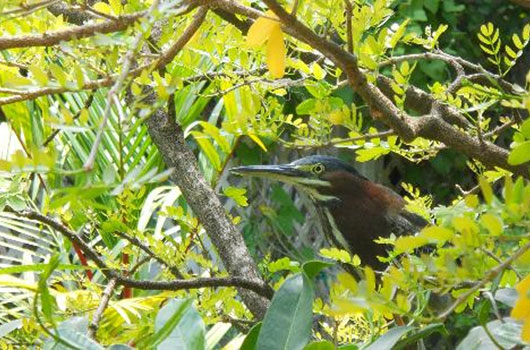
<point x="121" y="227"/>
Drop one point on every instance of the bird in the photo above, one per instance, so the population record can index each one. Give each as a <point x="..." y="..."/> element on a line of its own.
<point x="353" y="211"/>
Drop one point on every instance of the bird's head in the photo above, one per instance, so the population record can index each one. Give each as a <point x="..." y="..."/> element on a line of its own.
<point x="316" y="175"/>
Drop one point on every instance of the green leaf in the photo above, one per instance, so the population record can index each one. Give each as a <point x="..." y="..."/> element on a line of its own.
<point x="492" y="223"/>
<point x="525" y="129"/>
<point x="59" y="74"/>
<point x="420" y="334"/>
<point x="306" y="107"/>
<point x="520" y="154"/>
<point x="517" y="42"/>
<point x="486" y="189"/>
<point x="214" y="132"/>
<point x="313" y="267"/>
<point x="506" y="333"/>
<point x="74" y="339"/>
<point x="389" y="339"/>
<point x="237" y="194"/>
<point x="320" y="345"/>
<point x="178" y="325"/>
<point x="208" y="149"/>
<point x="287" y="324"/>
<point x="45" y="296"/>
<point x="251" y="339"/>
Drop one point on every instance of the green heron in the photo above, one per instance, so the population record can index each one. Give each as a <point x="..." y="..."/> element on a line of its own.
<point x="353" y="211"/>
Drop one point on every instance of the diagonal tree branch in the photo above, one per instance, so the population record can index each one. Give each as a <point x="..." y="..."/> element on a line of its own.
<point x="431" y="126"/>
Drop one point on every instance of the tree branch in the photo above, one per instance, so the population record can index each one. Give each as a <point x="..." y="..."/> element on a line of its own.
<point x="103" y="303"/>
<point x="78" y="32"/>
<point x="255" y="285"/>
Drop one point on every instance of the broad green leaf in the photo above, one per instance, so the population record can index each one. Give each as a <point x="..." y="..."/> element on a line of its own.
<point x="320" y="345"/>
<point x="389" y="339"/>
<point x="251" y="339"/>
<point x="506" y="332"/>
<point x="313" y="267"/>
<point x="178" y="325"/>
<point x="287" y="324"/>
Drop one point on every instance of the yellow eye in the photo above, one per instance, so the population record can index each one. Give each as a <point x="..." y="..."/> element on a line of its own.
<point x="318" y="169"/>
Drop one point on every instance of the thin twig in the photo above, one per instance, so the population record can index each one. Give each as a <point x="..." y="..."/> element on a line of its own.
<point x="349" y="29"/>
<point x="489" y="276"/>
<point x="105" y="298"/>
<point x="258" y="287"/>
<point x="54" y="133"/>
<point x="113" y="92"/>
<point x="136" y="242"/>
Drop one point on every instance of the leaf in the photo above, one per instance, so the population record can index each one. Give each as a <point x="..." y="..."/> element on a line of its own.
<point x="487" y="191"/>
<point x="320" y="345"/>
<point x="409" y="243"/>
<point x="74" y="339"/>
<point x="237" y="194"/>
<point x="276" y="53"/>
<point x="525" y="129"/>
<point x="44" y="292"/>
<point x="39" y="75"/>
<point x="306" y="107"/>
<point x="492" y="223"/>
<point x="287" y="324"/>
<point x="208" y="149"/>
<point x="212" y="131"/>
<point x="178" y="326"/>
<point x="251" y="339"/>
<point x="59" y="74"/>
<point x="520" y="154"/>
<point x="506" y="332"/>
<point x="258" y="141"/>
<point x="389" y="339"/>
<point x="313" y="267"/>
<point x="438" y="234"/>
<point x="261" y="30"/>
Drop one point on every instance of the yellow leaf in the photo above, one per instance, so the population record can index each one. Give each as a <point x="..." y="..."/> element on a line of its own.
<point x="437" y="233"/>
<point x="492" y="223"/>
<point x="276" y="53"/>
<point x="261" y="30"/>
<point x="521" y="310"/>
<point x="103" y="8"/>
<point x="257" y="140"/>
<point x="525" y="333"/>
<point x="370" y="279"/>
<point x="409" y="243"/>
<point x="487" y="192"/>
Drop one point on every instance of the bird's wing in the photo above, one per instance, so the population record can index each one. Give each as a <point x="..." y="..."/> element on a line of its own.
<point x="405" y="222"/>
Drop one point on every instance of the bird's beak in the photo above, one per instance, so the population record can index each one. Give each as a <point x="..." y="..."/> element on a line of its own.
<point x="285" y="173"/>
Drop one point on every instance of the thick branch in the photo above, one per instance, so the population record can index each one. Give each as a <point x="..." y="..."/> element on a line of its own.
<point x="169" y="139"/>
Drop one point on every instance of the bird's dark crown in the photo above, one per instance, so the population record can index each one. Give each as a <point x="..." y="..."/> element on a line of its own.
<point x="330" y="164"/>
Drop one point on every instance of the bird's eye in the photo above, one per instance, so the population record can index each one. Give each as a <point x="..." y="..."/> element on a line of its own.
<point x="318" y="169"/>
